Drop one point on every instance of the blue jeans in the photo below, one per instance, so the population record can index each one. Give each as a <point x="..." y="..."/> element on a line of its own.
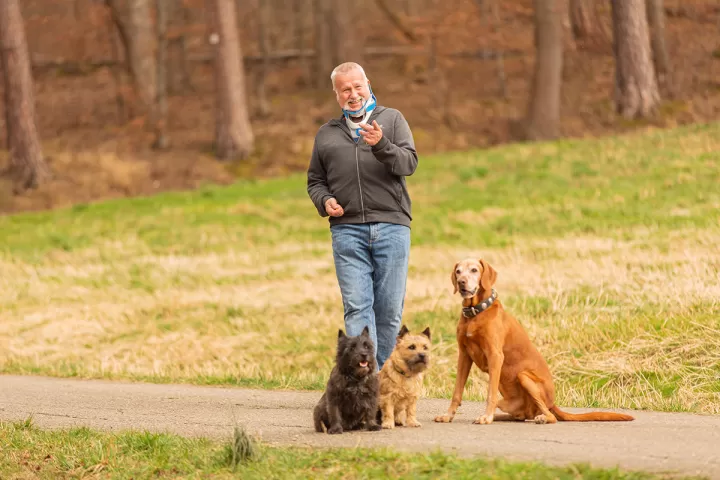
<point x="371" y="263"/>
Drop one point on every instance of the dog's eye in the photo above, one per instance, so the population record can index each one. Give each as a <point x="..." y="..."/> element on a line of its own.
<point x="425" y="347"/>
<point x="474" y="270"/>
<point x="411" y="347"/>
<point x="458" y="271"/>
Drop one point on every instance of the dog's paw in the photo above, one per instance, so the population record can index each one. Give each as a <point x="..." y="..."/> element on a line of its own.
<point x="388" y="425"/>
<point x="541" y="419"/>
<point x="375" y="427"/>
<point x="335" y="430"/>
<point x="414" y="423"/>
<point x="484" y="420"/>
<point x="443" y="419"/>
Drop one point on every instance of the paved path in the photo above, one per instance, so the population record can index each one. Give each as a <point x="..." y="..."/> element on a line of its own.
<point x="664" y="442"/>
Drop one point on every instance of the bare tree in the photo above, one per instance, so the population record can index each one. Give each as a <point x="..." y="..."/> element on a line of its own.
<point x="301" y="8"/>
<point x="324" y="59"/>
<point x="656" y="22"/>
<point x="486" y="8"/>
<point x="161" y="139"/>
<point x="347" y="32"/>
<point x="333" y="43"/>
<point x="177" y="68"/>
<point x="543" y="114"/>
<point x="636" y="89"/>
<point x="134" y="22"/>
<point x="233" y="134"/>
<point x="263" y="106"/>
<point x="581" y="18"/>
<point x="27" y="165"/>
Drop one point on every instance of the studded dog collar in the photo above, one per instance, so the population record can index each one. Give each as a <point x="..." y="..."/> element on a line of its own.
<point x="469" y="312"/>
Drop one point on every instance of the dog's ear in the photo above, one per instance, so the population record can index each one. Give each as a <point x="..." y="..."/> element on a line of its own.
<point x="341" y="334"/>
<point x="489" y="275"/>
<point x="366" y="331"/>
<point x="453" y="277"/>
<point x="426" y="332"/>
<point x="403" y="331"/>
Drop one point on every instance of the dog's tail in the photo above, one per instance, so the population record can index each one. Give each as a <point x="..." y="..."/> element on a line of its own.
<point x="591" y="416"/>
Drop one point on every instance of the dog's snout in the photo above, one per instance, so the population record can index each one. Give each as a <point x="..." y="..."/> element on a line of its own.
<point x="462" y="282"/>
<point x="421" y="356"/>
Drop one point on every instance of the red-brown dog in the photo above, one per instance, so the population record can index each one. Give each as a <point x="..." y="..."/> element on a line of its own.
<point x="495" y="341"/>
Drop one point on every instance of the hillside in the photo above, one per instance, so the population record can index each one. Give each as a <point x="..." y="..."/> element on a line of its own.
<point x="95" y="154"/>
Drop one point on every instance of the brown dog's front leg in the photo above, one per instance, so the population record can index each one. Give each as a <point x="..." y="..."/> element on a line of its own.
<point x="463" y="371"/>
<point x="388" y="414"/>
<point x="411" y="414"/>
<point x="495" y="360"/>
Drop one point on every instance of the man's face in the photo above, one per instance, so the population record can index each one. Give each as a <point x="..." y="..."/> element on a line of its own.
<point x="351" y="89"/>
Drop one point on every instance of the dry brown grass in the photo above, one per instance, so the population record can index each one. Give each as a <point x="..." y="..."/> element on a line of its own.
<point x="622" y="323"/>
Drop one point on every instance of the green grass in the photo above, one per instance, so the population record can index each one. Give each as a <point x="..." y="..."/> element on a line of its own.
<point x="664" y="179"/>
<point x="606" y="252"/>
<point x="28" y="452"/>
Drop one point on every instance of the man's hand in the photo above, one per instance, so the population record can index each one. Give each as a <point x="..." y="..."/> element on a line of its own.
<point x="371" y="133"/>
<point x="333" y="208"/>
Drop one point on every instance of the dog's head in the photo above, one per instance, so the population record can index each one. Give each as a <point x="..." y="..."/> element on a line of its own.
<point x="414" y="350"/>
<point x="470" y="276"/>
<point x="356" y="355"/>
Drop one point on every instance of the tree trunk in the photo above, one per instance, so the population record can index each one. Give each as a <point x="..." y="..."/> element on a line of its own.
<point x="300" y="10"/>
<point x="142" y="50"/>
<point x="543" y="115"/>
<point x="581" y="19"/>
<point x="347" y="39"/>
<point x="656" y="22"/>
<point x="27" y="164"/>
<point x="116" y="41"/>
<point x="233" y="134"/>
<point x="324" y="61"/>
<point x="161" y="140"/>
<point x="134" y="21"/>
<point x="178" y="78"/>
<point x="263" y="106"/>
<point x="333" y="44"/>
<point x="636" y="89"/>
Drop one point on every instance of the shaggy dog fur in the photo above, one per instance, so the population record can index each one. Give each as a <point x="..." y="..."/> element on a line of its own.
<point x="401" y="378"/>
<point x="350" y="400"/>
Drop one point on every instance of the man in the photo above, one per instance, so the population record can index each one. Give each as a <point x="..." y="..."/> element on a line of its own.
<point x="356" y="178"/>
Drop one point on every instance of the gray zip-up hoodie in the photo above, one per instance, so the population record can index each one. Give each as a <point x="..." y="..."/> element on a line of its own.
<point x="368" y="182"/>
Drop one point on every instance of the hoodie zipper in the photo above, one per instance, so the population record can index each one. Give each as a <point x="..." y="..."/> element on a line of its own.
<point x="343" y="126"/>
<point x="357" y="164"/>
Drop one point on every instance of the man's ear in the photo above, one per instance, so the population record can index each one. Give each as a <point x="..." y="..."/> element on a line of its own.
<point x="489" y="276"/>
<point x="453" y="278"/>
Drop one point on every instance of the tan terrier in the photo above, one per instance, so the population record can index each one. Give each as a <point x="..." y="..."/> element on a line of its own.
<point x="401" y="379"/>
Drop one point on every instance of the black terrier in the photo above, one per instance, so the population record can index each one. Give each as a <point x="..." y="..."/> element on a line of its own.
<point x="351" y="398"/>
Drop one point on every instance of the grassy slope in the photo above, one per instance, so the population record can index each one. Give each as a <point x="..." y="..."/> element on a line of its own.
<point x="606" y="251"/>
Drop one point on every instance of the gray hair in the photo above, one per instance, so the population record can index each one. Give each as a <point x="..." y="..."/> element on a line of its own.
<point x="345" y="68"/>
